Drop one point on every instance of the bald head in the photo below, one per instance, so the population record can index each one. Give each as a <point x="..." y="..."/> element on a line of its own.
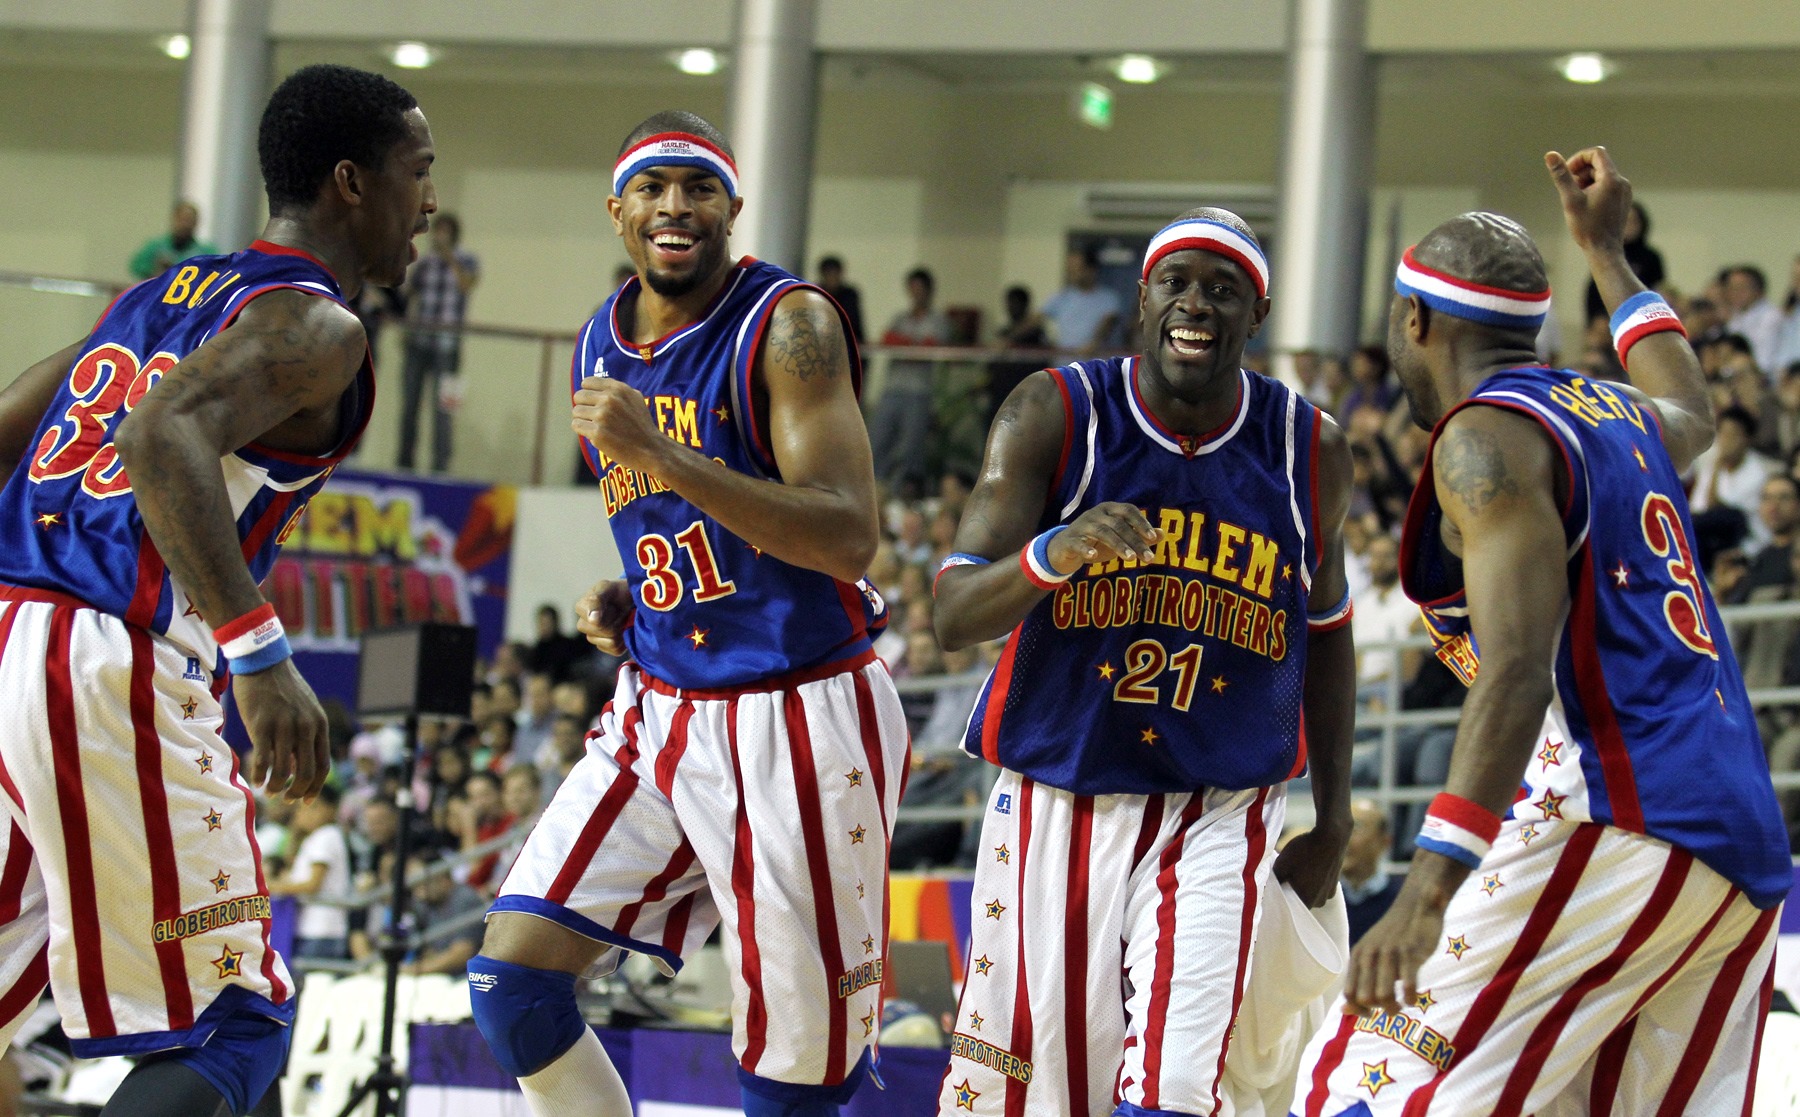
<point x="677" y="120"/>
<point x="1485" y="248"/>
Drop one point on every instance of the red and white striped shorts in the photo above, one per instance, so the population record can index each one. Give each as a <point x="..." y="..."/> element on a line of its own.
<point x="1073" y="892"/>
<point x="1584" y="970"/>
<point x="130" y="876"/>
<point x="769" y="807"/>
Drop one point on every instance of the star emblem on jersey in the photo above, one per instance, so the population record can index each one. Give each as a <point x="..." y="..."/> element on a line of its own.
<point x="982" y="965"/>
<point x="1457" y="947"/>
<point x="1002" y="854"/>
<point x="1621" y="575"/>
<point x="975" y="1021"/>
<point x="188" y="706"/>
<point x="1527" y="832"/>
<point x="868" y="1023"/>
<point x="213" y="819"/>
<point x="722" y="413"/>
<point x="1374" y="1077"/>
<point x="205" y="762"/>
<point x="698" y="636"/>
<point x="190" y="611"/>
<point x="1551" y="753"/>
<point x="1219" y="684"/>
<point x="965" y="1097"/>
<point x="1551" y="804"/>
<point x="221" y="882"/>
<point x="1107" y="671"/>
<point x="1148" y="736"/>
<point x="1424" y="1000"/>
<point x="857" y="835"/>
<point x="1491" y="883"/>
<point x="995" y="909"/>
<point x="230" y="963"/>
<point x="1639" y="455"/>
<point x="859" y="889"/>
<point x="854" y="775"/>
<point x="49" y="519"/>
<point x="755" y="550"/>
<point x="869" y="944"/>
<point x="1287" y="571"/>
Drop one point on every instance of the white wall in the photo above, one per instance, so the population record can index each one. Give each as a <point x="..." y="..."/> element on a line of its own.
<point x="561" y="546"/>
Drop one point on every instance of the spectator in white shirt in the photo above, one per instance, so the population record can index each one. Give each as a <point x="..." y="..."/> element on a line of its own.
<point x="321" y="868"/>
<point x="1383" y="613"/>
<point x="1084" y="316"/>
<point x="1731" y="474"/>
<point x="1752" y="315"/>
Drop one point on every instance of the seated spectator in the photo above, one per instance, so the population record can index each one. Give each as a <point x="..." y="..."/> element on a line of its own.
<point x="1752" y="315"/>
<point x="556" y="653"/>
<point x="1731" y="474"/>
<point x="1383" y="614"/>
<point x="1370" y="384"/>
<point x="1787" y="342"/>
<point x="495" y="753"/>
<point x="911" y="544"/>
<point x="437" y="901"/>
<point x="1368" y="888"/>
<point x="942" y="774"/>
<point x="568" y="744"/>
<point x="480" y="816"/>
<point x="321" y="869"/>
<point x="1770" y="565"/>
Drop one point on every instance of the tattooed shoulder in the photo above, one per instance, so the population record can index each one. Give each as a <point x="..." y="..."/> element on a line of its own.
<point x="807" y="340"/>
<point x="1472" y="464"/>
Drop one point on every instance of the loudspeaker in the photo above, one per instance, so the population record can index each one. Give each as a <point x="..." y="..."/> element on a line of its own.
<point x="416" y="669"/>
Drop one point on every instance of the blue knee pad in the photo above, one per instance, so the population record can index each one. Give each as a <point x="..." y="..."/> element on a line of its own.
<point x="240" y="1059"/>
<point x="528" y="1016"/>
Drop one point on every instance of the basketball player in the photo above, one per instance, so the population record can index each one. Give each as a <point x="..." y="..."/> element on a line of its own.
<point x="748" y="768"/>
<point x="155" y="467"/>
<point x="1607" y="948"/>
<point x="1158" y="534"/>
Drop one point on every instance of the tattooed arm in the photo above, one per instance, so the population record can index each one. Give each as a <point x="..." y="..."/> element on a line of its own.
<point x="821" y="514"/>
<point x="1496" y="479"/>
<point x="276" y="374"/>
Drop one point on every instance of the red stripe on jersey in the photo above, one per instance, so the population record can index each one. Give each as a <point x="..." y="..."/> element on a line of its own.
<point x="1597" y="705"/>
<point x="1075" y="954"/>
<point x="271" y="518"/>
<point x="868" y="724"/>
<point x="1318" y="550"/>
<point x="78" y="850"/>
<point x="1331" y="1056"/>
<point x="770" y="685"/>
<point x="1147" y="829"/>
<point x="1068" y="441"/>
<point x="1299" y="768"/>
<point x="996" y="700"/>
<point x="148" y="593"/>
<point x="593" y="832"/>
<point x="24" y="994"/>
<point x="7" y="617"/>
<point x="679" y="863"/>
<point x="1609" y="1068"/>
<point x="1163" y="971"/>
<point x="1762" y="1018"/>
<point x="743" y="890"/>
<point x="852" y="600"/>
<point x="1715" y="1014"/>
<point x="1570" y="865"/>
<point x="818" y="867"/>
<point x="159" y="835"/>
<point x="1256" y="837"/>
<point x="1021" y="1007"/>
<point x="278" y="990"/>
<point x="1548" y="1033"/>
<point x="14" y="876"/>
<point x="674" y="747"/>
<point x="675" y="927"/>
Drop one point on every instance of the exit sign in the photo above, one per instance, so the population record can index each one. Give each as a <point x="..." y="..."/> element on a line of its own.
<point x="1094" y="105"/>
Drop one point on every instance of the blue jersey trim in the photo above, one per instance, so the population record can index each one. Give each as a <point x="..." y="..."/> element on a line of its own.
<point x="231" y="1001"/>
<point x="582" y="925"/>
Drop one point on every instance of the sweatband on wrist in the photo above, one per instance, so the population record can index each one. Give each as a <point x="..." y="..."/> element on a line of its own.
<point x="254" y="642"/>
<point x="1335" y="617"/>
<point x="1034" y="560"/>
<point x="956" y="559"/>
<point x="1638" y="317"/>
<point x="1458" y="829"/>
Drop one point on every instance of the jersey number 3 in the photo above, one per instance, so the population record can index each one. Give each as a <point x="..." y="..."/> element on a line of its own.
<point x="662" y="588"/>
<point x="104" y="382"/>
<point x="1682" y="607"/>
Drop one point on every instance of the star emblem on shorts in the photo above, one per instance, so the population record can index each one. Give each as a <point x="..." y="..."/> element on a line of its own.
<point x="698" y="636"/>
<point x="1639" y="455"/>
<point x="965" y="1097"/>
<point x="1621" y="575"/>
<point x="859" y="889"/>
<point x="995" y="908"/>
<point x="221" y="882"/>
<point x="1107" y="671"/>
<point x="188" y="707"/>
<point x="1002" y="854"/>
<point x="49" y="519"/>
<point x="205" y="762"/>
<point x="868" y="944"/>
<point x="1457" y="947"/>
<point x="1551" y="753"/>
<point x="212" y="818"/>
<point x="975" y="1021"/>
<point x="868" y="1023"/>
<point x="1527" y="832"/>
<point x="1374" y="1077"/>
<point x="1551" y="804"/>
<point x="982" y="965"/>
<point x="722" y="413"/>
<point x="1287" y="571"/>
<point x="1424" y="1000"/>
<point x="854" y="775"/>
<point x="1491" y="883"/>
<point x="230" y="963"/>
<point x="857" y="835"/>
<point x="1219" y="684"/>
<point x="1148" y="736"/>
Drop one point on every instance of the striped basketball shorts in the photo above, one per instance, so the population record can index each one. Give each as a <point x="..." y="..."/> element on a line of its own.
<point x="767" y="807"/>
<point x="129" y="874"/>
<point x="1584" y="970"/>
<point x="1075" y="892"/>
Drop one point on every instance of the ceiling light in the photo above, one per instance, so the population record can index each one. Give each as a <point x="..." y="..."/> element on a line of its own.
<point x="697" y="60"/>
<point x="412" y="56"/>
<point x="1138" y="69"/>
<point x="1585" y="67"/>
<point x="177" y="47"/>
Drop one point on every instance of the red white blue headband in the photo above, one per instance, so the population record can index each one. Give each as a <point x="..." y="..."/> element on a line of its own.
<point x="1210" y="236"/>
<point x="1493" y="306"/>
<point x="674" y="149"/>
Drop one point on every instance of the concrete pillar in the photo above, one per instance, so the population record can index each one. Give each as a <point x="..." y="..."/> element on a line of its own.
<point x="1329" y="126"/>
<point x="227" y="86"/>
<point x="773" y="115"/>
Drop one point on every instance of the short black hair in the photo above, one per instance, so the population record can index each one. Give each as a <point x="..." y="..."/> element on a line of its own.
<point x="827" y="263"/>
<point x="319" y="116"/>
<point x="1737" y="343"/>
<point x="449" y="221"/>
<point x="1019" y="291"/>
<point x="482" y="774"/>
<point x="1741" y="416"/>
<point x="330" y="795"/>
<point x="1090" y="256"/>
<point x="1755" y="273"/>
<point x="1490" y="250"/>
<point x="677" y="120"/>
<point x="922" y="276"/>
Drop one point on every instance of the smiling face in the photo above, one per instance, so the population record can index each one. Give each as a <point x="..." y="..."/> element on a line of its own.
<point x="397" y="201"/>
<point x="675" y="222"/>
<point x="1199" y="308"/>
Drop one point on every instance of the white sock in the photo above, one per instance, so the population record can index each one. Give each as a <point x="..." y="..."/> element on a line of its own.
<point x="581" y="1080"/>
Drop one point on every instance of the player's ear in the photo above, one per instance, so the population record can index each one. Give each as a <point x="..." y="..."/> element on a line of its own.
<point x="347" y="181"/>
<point x="1143" y="300"/>
<point x="737" y="207"/>
<point x="1259" y="313"/>
<point x="614" y="209"/>
<point x="1417" y="321"/>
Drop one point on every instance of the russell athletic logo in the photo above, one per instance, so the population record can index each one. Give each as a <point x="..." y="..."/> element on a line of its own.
<point x="482" y="982"/>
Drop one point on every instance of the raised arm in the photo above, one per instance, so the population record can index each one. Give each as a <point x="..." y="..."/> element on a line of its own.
<point x="24" y="401"/>
<point x="975" y="603"/>
<point x="1596" y="199"/>
<point x="821" y="514"/>
<point x="1495" y="481"/>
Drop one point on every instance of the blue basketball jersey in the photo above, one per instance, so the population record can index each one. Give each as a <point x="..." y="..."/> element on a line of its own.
<point x="69" y="522"/>
<point x="713" y="611"/>
<point x="1185" y="672"/>
<point x="1651" y="730"/>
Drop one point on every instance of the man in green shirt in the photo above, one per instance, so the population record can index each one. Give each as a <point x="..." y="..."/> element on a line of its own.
<point x="161" y="253"/>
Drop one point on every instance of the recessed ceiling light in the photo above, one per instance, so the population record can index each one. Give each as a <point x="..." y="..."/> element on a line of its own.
<point x="177" y="47"/>
<point x="1138" y="69"/>
<point x="412" y="56"/>
<point x="1585" y="68"/>
<point x="697" y="60"/>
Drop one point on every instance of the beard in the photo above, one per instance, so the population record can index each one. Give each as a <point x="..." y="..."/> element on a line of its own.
<point x="711" y="258"/>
